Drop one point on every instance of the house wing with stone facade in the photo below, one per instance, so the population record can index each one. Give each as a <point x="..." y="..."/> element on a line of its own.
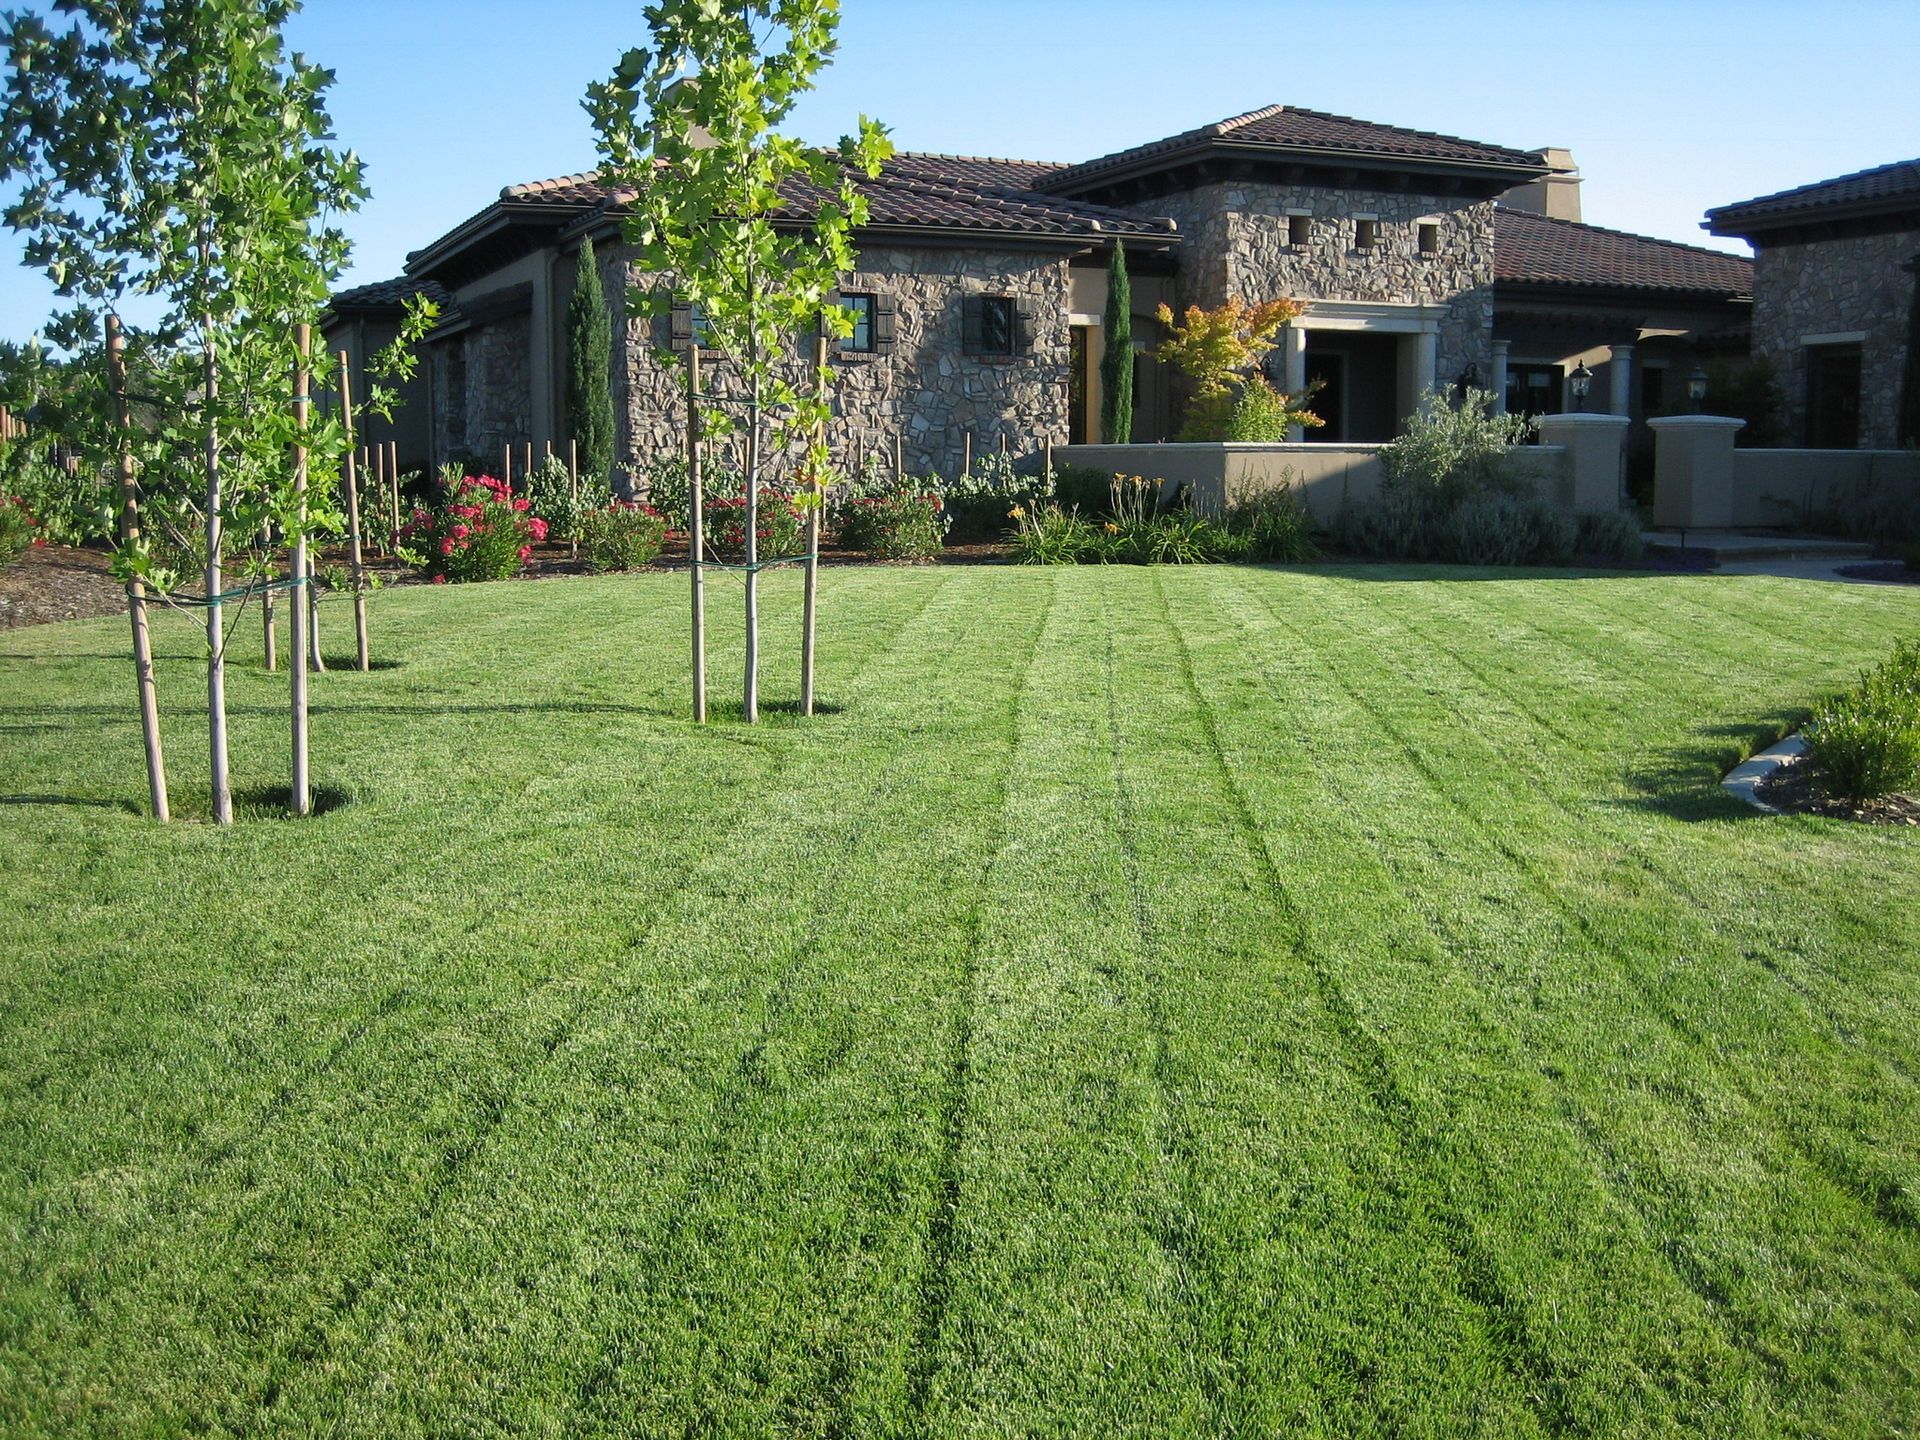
<point x="1834" y="278"/>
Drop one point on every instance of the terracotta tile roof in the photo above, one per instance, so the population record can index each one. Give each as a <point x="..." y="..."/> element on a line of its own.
<point x="1285" y="127"/>
<point x="916" y="191"/>
<point x="392" y="294"/>
<point x="1533" y="249"/>
<point x="1895" y="186"/>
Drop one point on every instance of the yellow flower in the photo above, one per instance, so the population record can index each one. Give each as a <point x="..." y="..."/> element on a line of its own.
<point x="1017" y="513"/>
<point x="1112" y="529"/>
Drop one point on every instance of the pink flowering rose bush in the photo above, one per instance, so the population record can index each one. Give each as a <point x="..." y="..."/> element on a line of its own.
<point x="478" y="530"/>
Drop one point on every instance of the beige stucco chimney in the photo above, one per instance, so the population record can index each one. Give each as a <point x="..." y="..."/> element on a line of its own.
<point x="697" y="135"/>
<point x="1556" y="195"/>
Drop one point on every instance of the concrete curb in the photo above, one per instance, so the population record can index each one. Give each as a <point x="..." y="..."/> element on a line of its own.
<point x="1743" y="781"/>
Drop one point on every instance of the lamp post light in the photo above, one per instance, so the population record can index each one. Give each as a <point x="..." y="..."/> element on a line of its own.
<point x="1580" y="382"/>
<point x="1697" y="387"/>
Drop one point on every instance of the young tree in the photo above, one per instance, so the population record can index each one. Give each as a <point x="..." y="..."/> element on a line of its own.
<point x="589" y="360"/>
<point x="752" y="228"/>
<point x="175" y="148"/>
<point x="1116" y="365"/>
<point x="1220" y="350"/>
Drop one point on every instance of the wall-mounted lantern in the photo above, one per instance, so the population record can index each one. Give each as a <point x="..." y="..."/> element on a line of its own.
<point x="1697" y="387"/>
<point x="1580" y="382"/>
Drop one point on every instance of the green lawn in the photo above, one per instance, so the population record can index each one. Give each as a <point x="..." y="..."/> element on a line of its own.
<point x="1159" y="1002"/>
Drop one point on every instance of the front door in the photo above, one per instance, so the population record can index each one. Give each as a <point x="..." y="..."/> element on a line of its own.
<point x="1329" y="373"/>
<point x="1833" y="397"/>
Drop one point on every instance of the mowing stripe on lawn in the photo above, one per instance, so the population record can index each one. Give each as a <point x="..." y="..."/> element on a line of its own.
<point x="1842" y="1005"/>
<point x="1659" y="1126"/>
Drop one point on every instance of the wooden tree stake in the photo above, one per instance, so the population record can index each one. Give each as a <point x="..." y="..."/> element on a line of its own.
<point x="136" y="588"/>
<point x="966" y="460"/>
<point x="573" y="488"/>
<point x="508" y="476"/>
<point x="353" y="525"/>
<point x="899" y="457"/>
<point x="393" y="491"/>
<point x="378" y="497"/>
<point x="303" y="634"/>
<point x="696" y="538"/>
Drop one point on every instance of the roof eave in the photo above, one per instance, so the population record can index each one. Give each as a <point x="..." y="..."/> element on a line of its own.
<point x="1725" y="221"/>
<point x="1092" y="179"/>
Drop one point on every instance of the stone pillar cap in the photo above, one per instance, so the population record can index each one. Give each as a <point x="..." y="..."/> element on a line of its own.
<point x="1576" y="417"/>
<point x="1696" y="422"/>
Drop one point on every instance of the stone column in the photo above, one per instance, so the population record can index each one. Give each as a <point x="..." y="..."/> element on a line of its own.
<point x="1499" y="379"/>
<point x="1595" y="447"/>
<point x="1693" y="471"/>
<point x="1620" y="374"/>
<point x="1293" y="355"/>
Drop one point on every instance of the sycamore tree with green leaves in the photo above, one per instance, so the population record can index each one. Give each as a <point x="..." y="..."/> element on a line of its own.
<point x="751" y="228"/>
<point x="176" y="149"/>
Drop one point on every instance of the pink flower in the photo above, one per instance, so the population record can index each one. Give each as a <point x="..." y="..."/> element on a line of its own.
<point x="446" y="546"/>
<point x="525" y="551"/>
<point x="439" y="579"/>
<point x="522" y="504"/>
<point x="538" y="527"/>
<point x="460" y="532"/>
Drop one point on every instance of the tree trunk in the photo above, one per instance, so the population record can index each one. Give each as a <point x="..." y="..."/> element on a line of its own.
<point x="353" y="524"/>
<point x="302" y="783"/>
<point x="750" y="701"/>
<point x="696" y="537"/>
<point x="819" y="499"/>
<point x="221" y="780"/>
<point x="270" y="641"/>
<point x="136" y="589"/>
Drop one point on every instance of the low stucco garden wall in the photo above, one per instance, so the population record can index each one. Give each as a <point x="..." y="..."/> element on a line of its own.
<point x="1776" y="488"/>
<point x="1325" y="476"/>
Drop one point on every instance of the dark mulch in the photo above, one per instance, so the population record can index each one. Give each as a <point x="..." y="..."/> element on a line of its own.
<point x="53" y="582"/>
<point x="1795" y="787"/>
<point x="1893" y="571"/>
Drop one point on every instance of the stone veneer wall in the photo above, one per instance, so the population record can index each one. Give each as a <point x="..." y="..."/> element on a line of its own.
<point x="481" y="381"/>
<point x="1837" y="286"/>
<point x="1235" y="244"/>
<point x="926" y="391"/>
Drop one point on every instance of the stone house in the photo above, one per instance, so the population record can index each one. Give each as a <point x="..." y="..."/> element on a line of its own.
<point x="981" y="284"/>
<point x="1833" y="288"/>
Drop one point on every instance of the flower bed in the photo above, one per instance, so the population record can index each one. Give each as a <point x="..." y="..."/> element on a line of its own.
<point x="479" y="531"/>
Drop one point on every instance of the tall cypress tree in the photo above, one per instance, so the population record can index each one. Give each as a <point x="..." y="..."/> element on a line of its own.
<point x="589" y="359"/>
<point x="1116" y="366"/>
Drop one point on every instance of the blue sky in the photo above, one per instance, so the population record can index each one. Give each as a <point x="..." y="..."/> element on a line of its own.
<point x="1668" y="108"/>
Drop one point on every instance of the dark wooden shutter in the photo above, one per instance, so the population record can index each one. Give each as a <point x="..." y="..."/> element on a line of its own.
<point x="680" y="327"/>
<point x="886" y="325"/>
<point x="1023" y="327"/>
<point x="972" y="324"/>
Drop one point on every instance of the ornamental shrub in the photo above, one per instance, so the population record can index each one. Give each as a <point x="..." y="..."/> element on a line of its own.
<point x="1452" y="452"/>
<point x="621" y="535"/>
<point x="978" y="501"/>
<point x="478" y="531"/>
<point x="1261" y="413"/>
<point x="782" y="528"/>
<point x="1866" y="741"/>
<point x="70" y="507"/>
<point x="1276" y="525"/>
<point x="1609" y="535"/>
<point x="894" y="527"/>
<point x="18" y="529"/>
<point x="549" y="491"/>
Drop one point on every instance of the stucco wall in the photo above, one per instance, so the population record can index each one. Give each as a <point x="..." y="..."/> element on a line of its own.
<point x="1824" y="489"/>
<point x="926" y="392"/>
<point x="1325" y="476"/>
<point x="1835" y="287"/>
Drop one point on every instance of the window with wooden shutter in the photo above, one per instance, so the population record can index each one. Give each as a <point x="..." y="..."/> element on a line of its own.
<point x="996" y="326"/>
<point x="680" y="325"/>
<point x="886" y="324"/>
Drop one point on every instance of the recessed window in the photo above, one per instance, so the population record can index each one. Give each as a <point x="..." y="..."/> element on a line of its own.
<point x="1299" y="231"/>
<point x="1429" y="233"/>
<point x="995" y="325"/>
<point x="860" y="309"/>
<point x="1366" y="234"/>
